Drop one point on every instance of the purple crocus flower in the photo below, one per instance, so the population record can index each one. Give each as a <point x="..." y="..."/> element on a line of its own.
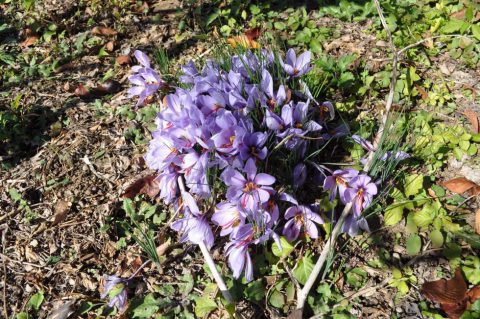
<point x="296" y="67"/>
<point x="399" y="156"/>
<point x="271" y="206"/>
<point x="190" y="72"/>
<point x="301" y="217"/>
<point x="364" y="143"/>
<point x="338" y="181"/>
<point x="267" y="87"/>
<point x="146" y="80"/>
<point x="360" y="193"/>
<point x="194" y="226"/>
<point x="353" y="224"/>
<point x="238" y="255"/>
<point x="113" y="287"/>
<point x="249" y="192"/>
<point x="253" y="146"/>
<point x="299" y="175"/>
<point x="229" y="217"/>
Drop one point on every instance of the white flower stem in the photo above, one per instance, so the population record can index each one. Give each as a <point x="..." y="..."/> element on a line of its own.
<point x="209" y="260"/>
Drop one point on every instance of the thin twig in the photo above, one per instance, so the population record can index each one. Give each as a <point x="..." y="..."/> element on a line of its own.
<point x="209" y="260"/>
<point x="302" y="297"/>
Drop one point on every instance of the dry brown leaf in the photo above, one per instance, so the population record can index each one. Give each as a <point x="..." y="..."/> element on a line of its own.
<point x="477" y="221"/>
<point x="147" y="185"/>
<point x="82" y="92"/>
<point x="110" y="46"/>
<point x="61" y="210"/>
<point x="459" y="185"/>
<point x="109" y="87"/>
<point x="106" y="31"/>
<point x="163" y="248"/>
<point x="473" y="119"/>
<point x="243" y="41"/>
<point x="124" y="60"/>
<point x="254" y="33"/>
<point x="29" y="41"/>
<point x="460" y="15"/>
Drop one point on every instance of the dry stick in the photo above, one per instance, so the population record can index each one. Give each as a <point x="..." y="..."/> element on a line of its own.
<point x="208" y="259"/>
<point x="303" y="294"/>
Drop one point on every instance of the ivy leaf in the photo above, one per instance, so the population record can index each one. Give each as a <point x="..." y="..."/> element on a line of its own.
<point x="413" y="184"/>
<point x="36" y="300"/>
<point x="204" y="305"/>
<point x="303" y="269"/>
<point x="414" y="244"/>
<point x="147" y="307"/>
<point x="287" y="248"/>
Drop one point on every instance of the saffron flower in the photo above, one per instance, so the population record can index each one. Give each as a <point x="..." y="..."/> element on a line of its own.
<point x="338" y="181"/>
<point x="296" y="67"/>
<point x="360" y="192"/>
<point x="301" y="217"/>
<point x="146" y="81"/>
<point x="249" y="192"/>
<point x="230" y="217"/>
<point x="237" y="251"/>
<point x="113" y="287"/>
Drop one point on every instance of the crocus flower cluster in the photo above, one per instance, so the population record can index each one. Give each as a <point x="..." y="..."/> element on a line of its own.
<point x="218" y="130"/>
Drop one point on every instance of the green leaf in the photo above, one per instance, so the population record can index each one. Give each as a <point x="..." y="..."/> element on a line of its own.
<point x="287" y="248"/>
<point x="277" y="299"/>
<point x="303" y="269"/>
<point x="476" y="31"/>
<point x="424" y="217"/>
<point x="279" y="25"/>
<point x="402" y="287"/>
<point x="204" y="305"/>
<point x="255" y="290"/>
<point x="454" y="25"/>
<point x="436" y="237"/>
<point x="36" y="300"/>
<point x="147" y="307"/>
<point x="212" y="17"/>
<point x="413" y="184"/>
<point x="22" y="315"/>
<point x="414" y="244"/>
<point x="393" y="214"/>
<point x="315" y="46"/>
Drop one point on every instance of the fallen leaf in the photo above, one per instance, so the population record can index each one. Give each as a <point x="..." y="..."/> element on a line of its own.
<point x="473" y="119"/>
<point x="124" y="60"/>
<point x="110" y="46"/>
<point x="473" y="294"/>
<point x="163" y="248"/>
<point x="60" y="210"/>
<point x="253" y="34"/>
<point x="109" y="87"/>
<point x="243" y="41"/>
<point x="147" y="185"/>
<point x="82" y="92"/>
<point x="62" y="311"/>
<point x="477" y="221"/>
<point x="459" y="185"/>
<point x="460" y="15"/>
<point x="422" y="91"/>
<point x="104" y="31"/>
<point x="451" y="294"/>
<point x="29" y="41"/>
